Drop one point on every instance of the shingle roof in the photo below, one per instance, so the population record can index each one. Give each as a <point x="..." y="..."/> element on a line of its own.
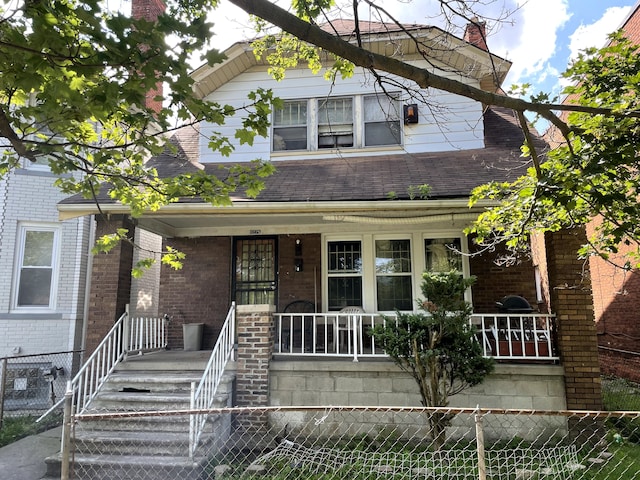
<point x="451" y="174"/>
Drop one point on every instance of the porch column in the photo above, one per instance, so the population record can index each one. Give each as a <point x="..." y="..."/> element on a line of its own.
<point x="255" y="328"/>
<point x="572" y="302"/>
<point x="110" y="289"/>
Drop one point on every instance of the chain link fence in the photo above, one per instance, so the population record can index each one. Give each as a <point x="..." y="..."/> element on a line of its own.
<point x="29" y="386"/>
<point x="353" y="443"/>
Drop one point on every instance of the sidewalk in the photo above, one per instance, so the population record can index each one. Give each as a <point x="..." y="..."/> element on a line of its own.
<point x="24" y="459"/>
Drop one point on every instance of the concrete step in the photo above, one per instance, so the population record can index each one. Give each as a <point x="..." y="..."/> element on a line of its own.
<point x="135" y="442"/>
<point x="147" y="467"/>
<point x="140" y="401"/>
<point x="167" y="360"/>
<point x="160" y="381"/>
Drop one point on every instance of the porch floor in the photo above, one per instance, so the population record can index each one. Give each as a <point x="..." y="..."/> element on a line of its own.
<point x="169" y="360"/>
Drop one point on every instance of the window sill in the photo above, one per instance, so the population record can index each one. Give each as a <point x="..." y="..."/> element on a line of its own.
<point x="324" y="152"/>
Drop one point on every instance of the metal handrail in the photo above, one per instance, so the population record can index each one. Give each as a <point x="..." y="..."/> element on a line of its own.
<point x="203" y="396"/>
<point x="127" y="335"/>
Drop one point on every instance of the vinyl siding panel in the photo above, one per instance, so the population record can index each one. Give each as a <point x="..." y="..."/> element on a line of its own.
<point x="447" y="122"/>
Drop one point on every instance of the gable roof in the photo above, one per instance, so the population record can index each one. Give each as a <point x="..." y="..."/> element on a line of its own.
<point x="438" y="45"/>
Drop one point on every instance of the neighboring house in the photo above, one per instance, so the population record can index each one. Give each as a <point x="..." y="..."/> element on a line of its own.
<point x="616" y="291"/>
<point x="44" y="266"/>
<point x="346" y="221"/>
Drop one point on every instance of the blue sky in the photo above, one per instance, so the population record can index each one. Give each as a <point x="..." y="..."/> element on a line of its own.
<point x="539" y="37"/>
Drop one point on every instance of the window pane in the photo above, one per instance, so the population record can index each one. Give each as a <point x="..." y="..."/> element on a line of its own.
<point x="379" y="108"/>
<point x="35" y="287"/>
<point x="393" y="256"/>
<point x="344" y="292"/>
<point x="291" y="113"/>
<point x="38" y="249"/>
<point x="382" y="133"/>
<point x="289" y="138"/>
<point x="345" y="257"/>
<point x="335" y="111"/>
<point x="394" y="293"/>
<point x="442" y="255"/>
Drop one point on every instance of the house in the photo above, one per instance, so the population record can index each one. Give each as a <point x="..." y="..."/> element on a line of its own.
<point x="370" y="191"/>
<point x="44" y="264"/>
<point x="616" y="291"/>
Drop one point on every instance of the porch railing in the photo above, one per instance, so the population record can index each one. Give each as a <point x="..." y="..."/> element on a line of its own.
<point x="127" y="335"/>
<point x="502" y="336"/>
<point x="203" y="396"/>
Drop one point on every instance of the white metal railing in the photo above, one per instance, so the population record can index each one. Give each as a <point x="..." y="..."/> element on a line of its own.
<point x="146" y="333"/>
<point x="507" y="336"/>
<point x="503" y="336"/>
<point x="203" y="396"/>
<point x="127" y="334"/>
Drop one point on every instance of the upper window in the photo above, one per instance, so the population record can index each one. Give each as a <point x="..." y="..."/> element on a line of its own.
<point x="337" y="122"/>
<point x="37" y="260"/>
<point x="381" y="121"/>
<point x="290" y="126"/>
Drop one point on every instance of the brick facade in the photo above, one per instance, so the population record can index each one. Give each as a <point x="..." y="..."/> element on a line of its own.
<point x="299" y="285"/>
<point x="110" y="283"/>
<point x="571" y="301"/>
<point x="495" y="282"/>
<point x="200" y="291"/>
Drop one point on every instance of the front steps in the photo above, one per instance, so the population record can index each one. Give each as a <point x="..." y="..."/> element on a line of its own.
<point x="150" y="447"/>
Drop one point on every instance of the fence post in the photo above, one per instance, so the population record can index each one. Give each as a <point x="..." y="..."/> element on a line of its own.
<point x="65" y="450"/>
<point x="193" y="420"/>
<point x="482" y="467"/>
<point x="3" y="376"/>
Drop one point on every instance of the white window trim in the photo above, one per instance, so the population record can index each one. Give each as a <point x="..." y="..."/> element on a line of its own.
<point x="358" y="127"/>
<point x="416" y="241"/>
<point x="23" y="228"/>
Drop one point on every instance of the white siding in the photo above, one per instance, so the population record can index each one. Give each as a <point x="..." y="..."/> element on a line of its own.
<point x="453" y="123"/>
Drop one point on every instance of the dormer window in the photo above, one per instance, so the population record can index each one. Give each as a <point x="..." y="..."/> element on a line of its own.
<point x="337" y="122"/>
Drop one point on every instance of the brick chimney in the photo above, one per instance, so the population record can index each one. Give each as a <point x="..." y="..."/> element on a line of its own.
<point x="476" y="34"/>
<point x="150" y="10"/>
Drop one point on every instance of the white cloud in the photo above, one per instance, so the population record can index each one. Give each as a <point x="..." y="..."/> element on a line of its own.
<point x="536" y="23"/>
<point x="595" y="34"/>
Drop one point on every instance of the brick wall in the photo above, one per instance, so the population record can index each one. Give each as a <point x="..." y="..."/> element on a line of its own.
<point x="110" y="290"/>
<point x="150" y="10"/>
<point x="571" y="301"/>
<point x="304" y="285"/>
<point x="255" y="348"/>
<point x="200" y="291"/>
<point x="494" y="282"/>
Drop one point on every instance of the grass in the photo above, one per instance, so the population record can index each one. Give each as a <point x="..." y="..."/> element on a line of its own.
<point x="15" y="428"/>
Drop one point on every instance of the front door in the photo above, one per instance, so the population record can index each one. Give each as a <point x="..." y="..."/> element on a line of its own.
<point x="255" y="279"/>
